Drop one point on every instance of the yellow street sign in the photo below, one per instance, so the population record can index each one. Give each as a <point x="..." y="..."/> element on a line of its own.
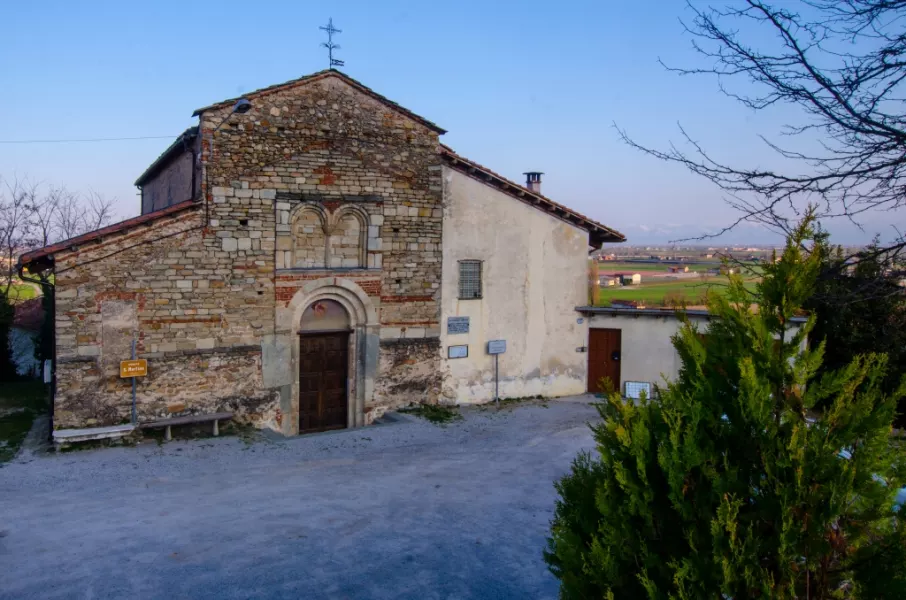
<point x="134" y="368"/>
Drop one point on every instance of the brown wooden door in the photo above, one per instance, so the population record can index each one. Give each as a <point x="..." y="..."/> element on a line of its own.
<point x="604" y="356"/>
<point x="323" y="374"/>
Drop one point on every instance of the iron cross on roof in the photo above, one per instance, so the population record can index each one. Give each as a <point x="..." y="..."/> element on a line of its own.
<point x="330" y="29"/>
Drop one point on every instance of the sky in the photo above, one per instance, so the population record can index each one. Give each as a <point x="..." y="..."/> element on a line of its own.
<point x="520" y="85"/>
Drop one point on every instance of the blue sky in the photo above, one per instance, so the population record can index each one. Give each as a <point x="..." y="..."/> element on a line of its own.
<point x="520" y="85"/>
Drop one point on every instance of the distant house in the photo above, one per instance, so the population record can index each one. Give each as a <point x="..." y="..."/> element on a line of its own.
<point x="631" y="345"/>
<point x="608" y="280"/>
<point x="624" y="278"/>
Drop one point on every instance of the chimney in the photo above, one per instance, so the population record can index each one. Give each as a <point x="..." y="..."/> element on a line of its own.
<point x="533" y="181"/>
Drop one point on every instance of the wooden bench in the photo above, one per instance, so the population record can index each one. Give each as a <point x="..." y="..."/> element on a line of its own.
<point x="188" y="420"/>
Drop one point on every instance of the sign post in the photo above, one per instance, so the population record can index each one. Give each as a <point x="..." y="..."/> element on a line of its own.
<point x="497" y="347"/>
<point x="137" y="367"/>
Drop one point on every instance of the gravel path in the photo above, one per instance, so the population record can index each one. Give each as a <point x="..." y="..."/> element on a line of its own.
<point x="399" y="510"/>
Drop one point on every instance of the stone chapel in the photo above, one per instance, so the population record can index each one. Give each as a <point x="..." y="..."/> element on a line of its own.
<point x="310" y="256"/>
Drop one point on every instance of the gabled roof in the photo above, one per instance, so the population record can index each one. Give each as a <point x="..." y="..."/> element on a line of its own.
<point x="598" y="233"/>
<point x="322" y="75"/>
<point x="179" y="145"/>
<point x="92" y="236"/>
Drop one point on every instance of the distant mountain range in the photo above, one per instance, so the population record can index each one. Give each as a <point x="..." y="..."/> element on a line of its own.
<point x="745" y="234"/>
<point x="692" y="235"/>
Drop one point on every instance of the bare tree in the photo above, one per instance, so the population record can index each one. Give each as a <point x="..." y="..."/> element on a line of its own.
<point x="44" y="214"/>
<point x="843" y="64"/>
<point x="15" y="225"/>
<point x="69" y="217"/>
<point x="33" y="215"/>
<point x="74" y="215"/>
<point x="98" y="211"/>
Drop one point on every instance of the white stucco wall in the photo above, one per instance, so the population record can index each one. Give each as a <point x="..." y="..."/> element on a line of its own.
<point x="534" y="275"/>
<point x="647" y="352"/>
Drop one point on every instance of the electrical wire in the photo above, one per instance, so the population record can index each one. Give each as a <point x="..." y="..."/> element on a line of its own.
<point x="119" y="139"/>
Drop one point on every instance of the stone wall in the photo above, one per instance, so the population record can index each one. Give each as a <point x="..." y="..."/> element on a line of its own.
<point x="326" y="157"/>
<point x="409" y="374"/>
<point x="156" y="286"/>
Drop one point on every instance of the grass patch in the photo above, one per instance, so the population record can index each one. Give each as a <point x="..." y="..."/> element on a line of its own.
<point x="20" y="403"/>
<point x="513" y="402"/>
<point x="437" y="414"/>
<point x="20" y="293"/>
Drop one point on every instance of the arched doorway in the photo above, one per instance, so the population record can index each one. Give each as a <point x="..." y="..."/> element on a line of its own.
<point x="324" y="350"/>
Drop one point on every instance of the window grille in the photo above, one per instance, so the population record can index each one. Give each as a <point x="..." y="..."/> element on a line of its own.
<point x="469" y="279"/>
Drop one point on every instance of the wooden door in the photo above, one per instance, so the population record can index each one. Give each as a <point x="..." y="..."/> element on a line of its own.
<point x="323" y="375"/>
<point x="604" y="356"/>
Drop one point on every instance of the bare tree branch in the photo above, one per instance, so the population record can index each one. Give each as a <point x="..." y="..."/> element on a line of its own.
<point x="842" y="63"/>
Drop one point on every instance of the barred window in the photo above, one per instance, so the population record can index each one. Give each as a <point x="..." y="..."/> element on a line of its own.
<point x="469" y="279"/>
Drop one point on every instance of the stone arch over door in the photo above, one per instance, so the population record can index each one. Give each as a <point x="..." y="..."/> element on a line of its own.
<point x="363" y="343"/>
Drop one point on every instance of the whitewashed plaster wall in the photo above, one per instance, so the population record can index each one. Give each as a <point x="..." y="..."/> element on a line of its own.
<point x="534" y="275"/>
<point x="647" y="353"/>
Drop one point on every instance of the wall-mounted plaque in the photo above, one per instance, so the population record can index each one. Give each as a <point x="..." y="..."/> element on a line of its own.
<point x="457" y="325"/>
<point x="457" y="351"/>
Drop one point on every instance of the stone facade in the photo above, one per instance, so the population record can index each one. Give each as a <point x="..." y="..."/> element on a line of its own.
<point x="320" y="184"/>
<point x="324" y="190"/>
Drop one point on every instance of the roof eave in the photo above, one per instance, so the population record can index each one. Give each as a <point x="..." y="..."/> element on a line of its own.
<point x="165" y="156"/>
<point x="598" y="233"/>
<point x="46" y="254"/>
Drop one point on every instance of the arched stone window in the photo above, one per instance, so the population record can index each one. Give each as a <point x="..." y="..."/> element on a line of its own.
<point x="309" y="239"/>
<point x="347" y="241"/>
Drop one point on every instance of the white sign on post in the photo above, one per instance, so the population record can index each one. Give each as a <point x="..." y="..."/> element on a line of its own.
<point x="634" y="389"/>
<point x="496" y="346"/>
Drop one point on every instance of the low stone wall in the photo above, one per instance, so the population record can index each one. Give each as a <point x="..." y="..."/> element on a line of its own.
<point x="178" y="383"/>
<point x="408" y="373"/>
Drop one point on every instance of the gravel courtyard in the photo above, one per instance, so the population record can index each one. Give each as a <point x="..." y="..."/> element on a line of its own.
<point x="406" y="509"/>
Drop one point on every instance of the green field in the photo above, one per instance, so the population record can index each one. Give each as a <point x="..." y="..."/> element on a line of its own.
<point x="18" y="293"/>
<point x="615" y="266"/>
<point x="669" y="292"/>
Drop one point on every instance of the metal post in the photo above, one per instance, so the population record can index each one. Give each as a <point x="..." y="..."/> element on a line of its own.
<point x="497" y="379"/>
<point x="134" y="416"/>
